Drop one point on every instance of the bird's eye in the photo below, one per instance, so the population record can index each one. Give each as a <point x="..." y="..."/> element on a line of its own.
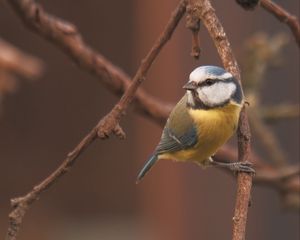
<point x="209" y="82"/>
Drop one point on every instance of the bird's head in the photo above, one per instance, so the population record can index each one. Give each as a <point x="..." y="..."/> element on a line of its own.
<point x="211" y="87"/>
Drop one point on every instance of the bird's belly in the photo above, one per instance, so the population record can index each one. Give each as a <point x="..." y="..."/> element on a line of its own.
<point x="205" y="148"/>
<point x="214" y="129"/>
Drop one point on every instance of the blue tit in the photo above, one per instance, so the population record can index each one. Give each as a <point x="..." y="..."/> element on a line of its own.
<point x="202" y="121"/>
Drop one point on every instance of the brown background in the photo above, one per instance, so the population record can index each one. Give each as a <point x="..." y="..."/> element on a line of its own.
<point x="98" y="199"/>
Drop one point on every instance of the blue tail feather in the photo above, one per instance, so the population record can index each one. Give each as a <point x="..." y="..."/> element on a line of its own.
<point x="148" y="165"/>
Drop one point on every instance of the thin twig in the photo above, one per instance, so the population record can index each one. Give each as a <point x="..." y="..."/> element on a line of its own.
<point x="112" y="119"/>
<point x="281" y="174"/>
<point x="244" y="181"/>
<point x="279" y="12"/>
<point x="49" y="26"/>
<point x="66" y="36"/>
<point x="283" y="111"/>
<point x="285" y="180"/>
<point x="284" y="16"/>
<point x="21" y="204"/>
<point x="268" y="139"/>
<point x="193" y="23"/>
<point x="16" y="61"/>
<point x="261" y="53"/>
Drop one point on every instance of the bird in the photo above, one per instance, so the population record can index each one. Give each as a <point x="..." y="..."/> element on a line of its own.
<point x="202" y="121"/>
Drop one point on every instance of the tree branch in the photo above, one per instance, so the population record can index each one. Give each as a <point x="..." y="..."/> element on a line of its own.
<point x="268" y="139"/>
<point x="112" y="119"/>
<point x="66" y="36"/>
<point x="16" y="61"/>
<point x="279" y="12"/>
<point x="21" y="204"/>
<point x="244" y="181"/>
<point x="284" y="16"/>
<point x="284" y="180"/>
<point x="193" y="23"/>
<point x="283" y="111"/>
<point x="261" y="53"/>
<point x="63" y="34"/>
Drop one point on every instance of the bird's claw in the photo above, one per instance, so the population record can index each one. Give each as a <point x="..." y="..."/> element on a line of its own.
<point x="245" y="167"/>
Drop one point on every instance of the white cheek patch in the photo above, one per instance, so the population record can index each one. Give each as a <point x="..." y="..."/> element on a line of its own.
<point x="217" y="93"/>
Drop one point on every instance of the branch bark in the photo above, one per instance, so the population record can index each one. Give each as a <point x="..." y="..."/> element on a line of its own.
<point x="66" y="36"/>
<point x="285" y="180"/>
<point x="193" y="23"/>
<point x="279" y="12"/>
<point x="63" y="34"/>
<point x="112" y="119"/>
<point x="207" y="15"/>
<point x="21" y="205"/>
<point x="283" y="16"/>
<point x="68" y="39"/>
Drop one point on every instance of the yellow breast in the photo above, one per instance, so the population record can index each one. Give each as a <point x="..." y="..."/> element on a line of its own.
<point x="215" y="127"/>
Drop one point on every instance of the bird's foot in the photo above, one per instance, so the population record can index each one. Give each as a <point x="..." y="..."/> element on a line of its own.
<point x="242" y="167"/>
<point x="235" y="166"/>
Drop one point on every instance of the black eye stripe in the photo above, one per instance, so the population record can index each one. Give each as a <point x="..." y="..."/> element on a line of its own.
<point x="209" y="82"/>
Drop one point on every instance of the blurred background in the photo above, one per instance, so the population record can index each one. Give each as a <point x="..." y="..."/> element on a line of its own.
<point x="43" y="119"/>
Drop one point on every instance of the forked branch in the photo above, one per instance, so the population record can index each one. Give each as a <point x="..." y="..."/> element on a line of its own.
<point x="67" y="37"/>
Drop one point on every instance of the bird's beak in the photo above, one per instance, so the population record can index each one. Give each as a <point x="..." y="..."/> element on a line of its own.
<point x="190" y="86"/>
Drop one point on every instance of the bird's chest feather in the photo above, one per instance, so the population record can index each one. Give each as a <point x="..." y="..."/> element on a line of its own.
<point x="214" y="127"/>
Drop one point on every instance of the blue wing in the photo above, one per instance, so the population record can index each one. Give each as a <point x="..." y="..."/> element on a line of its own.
<point x="172" y="142"/>
<point x="179" y="133"/>
<point x="169" y="143"/>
